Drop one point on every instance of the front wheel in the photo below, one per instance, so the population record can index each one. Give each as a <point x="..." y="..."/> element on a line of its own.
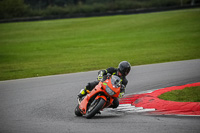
<point x="77" y="111"/>
<point x="94" y="108"/>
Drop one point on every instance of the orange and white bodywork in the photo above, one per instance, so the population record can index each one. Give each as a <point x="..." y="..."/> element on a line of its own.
<point x="107" y="90"/>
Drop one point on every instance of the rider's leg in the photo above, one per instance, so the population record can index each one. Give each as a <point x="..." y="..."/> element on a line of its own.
<point x="89" y="87"/>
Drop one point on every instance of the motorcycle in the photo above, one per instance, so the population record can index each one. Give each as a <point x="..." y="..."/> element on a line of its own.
<point x="102" y="96"/>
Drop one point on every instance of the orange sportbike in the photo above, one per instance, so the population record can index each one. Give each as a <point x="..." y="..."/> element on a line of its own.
<point x="102" y="96"/>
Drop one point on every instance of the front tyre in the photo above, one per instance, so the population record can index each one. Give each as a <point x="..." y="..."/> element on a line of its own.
<point x="94" y="108"/>
<point x="77" y="111"/>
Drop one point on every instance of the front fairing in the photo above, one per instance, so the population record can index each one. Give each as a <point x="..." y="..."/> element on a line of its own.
<point x="109" y="84"/>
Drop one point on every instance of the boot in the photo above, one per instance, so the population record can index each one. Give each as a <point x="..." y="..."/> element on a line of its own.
<point x="82" y="93"/>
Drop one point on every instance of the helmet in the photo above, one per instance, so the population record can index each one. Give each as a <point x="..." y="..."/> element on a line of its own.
<point x="124" y="68"/>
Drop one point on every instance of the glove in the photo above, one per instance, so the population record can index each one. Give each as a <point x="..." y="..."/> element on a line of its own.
<point x="100" y="75"/>
<point x="121" y="95"/>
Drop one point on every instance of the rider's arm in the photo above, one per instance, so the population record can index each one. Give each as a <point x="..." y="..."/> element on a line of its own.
<point x="111" y="70"/>
<point x="102" y="73"/>
<point x="122" y="89"/>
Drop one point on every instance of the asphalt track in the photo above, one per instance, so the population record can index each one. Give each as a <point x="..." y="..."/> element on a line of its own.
<point x="46" y="104"/>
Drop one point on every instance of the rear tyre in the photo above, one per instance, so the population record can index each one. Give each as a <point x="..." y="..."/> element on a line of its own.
<point x="94" y="108"/>
<point x="77" y="111"/>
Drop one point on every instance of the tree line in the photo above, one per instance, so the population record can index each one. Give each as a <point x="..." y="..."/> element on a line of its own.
<point x="30" y="8"/>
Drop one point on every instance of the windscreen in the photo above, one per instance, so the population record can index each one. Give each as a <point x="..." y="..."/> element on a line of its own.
<point x="116" y="81"/>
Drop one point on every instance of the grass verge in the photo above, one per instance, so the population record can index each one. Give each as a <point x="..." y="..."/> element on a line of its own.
<point x="188" y="94"/>
<point x="30" y="49"/>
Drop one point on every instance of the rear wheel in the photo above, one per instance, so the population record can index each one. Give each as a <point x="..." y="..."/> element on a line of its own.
<point x="95" y="107"/>
<point x="77" y="111"/>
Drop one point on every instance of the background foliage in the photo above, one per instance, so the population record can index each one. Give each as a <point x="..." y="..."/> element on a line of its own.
<point x="31" y="8"/>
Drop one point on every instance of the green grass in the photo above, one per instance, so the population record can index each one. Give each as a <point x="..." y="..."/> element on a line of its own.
<point x="29" y="49"/>
<point x="189" y="94"/>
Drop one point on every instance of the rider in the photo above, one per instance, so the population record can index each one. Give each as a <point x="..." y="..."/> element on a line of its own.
<point x="122" y="71"/>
